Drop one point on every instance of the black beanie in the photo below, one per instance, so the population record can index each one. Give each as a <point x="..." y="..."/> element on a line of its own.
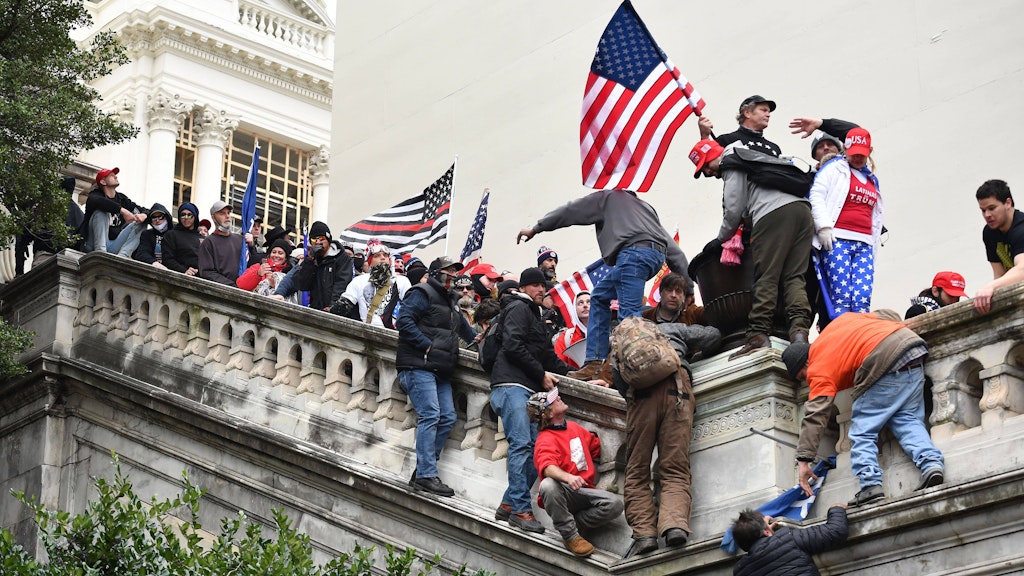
<point x="319" y="229"/>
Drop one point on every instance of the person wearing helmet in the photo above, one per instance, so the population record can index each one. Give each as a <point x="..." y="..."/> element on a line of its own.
<point x="566" y="456"/>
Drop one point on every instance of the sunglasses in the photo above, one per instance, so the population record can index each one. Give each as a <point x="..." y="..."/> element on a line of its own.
<point x="186" y="215"/>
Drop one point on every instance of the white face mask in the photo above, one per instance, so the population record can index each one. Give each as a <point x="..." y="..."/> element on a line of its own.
<point x="161" y="227"/>
<point x="226" y="228"/>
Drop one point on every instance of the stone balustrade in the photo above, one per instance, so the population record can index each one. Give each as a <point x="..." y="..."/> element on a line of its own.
<point x="299" y="34"/>
<point x="328" y="385"/>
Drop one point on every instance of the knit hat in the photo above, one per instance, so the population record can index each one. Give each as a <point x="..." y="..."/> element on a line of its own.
<point x="374" y="245"/>
<point x="283" y="245"/>
<point x="703" y="152"/>
<point x="544" y="253"/>
<point x="412" y="263"/>
<point x="795" y="358"/>
<point x="824" y="138"/>
<point x="415" y="274"/>
<point x="462" y="281"/>
<point x="319" y="229"/>
<point x="507" y="285"/>
<point x="533" y="276"/>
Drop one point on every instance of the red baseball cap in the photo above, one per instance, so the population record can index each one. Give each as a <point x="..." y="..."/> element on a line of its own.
<point x="858" y="141"/>
<point x="951" y="283"/>
<point x="106" y="172"/>
<point x="486" y="270"/>
<point x="703" y="152"/>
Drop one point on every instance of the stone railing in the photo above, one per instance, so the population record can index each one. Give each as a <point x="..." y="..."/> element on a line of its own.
<point x="330" y="384"/>
<point x="302" y="35"/>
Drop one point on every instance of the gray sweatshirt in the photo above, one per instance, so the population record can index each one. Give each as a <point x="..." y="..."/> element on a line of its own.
<point x="621" y="219"/>
<point x="743" y="198"/>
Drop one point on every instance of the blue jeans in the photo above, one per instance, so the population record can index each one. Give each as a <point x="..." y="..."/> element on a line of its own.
<point x="633" y="268"/>
<point x="896" y="401"/>
<point x="509" y="403"/>
<point x="431" y="397"/>
<point x="125" y="243"/>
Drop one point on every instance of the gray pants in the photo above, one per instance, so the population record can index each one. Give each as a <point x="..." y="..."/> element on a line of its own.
<point x="586" y="507"/>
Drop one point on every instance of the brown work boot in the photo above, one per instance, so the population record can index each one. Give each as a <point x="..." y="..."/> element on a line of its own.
<point x="580" y="547"/>
<point x="755" y="342"/>
<point x="798" y="336"/>
<point x="590" y="371"/>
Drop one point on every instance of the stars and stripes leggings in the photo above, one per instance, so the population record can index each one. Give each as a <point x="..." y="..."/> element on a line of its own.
<point x="850" y="269"/>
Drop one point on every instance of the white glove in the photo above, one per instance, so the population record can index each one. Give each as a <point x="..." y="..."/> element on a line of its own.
<point x="826" y="239"/>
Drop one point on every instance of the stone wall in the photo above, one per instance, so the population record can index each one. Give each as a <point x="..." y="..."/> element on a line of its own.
<point x="269" y="405"/>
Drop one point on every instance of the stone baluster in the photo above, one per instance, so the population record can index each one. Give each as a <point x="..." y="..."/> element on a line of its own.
<point x="158" y="332"/>
<point x="86" y="316"/>
<point x="1003" y="394"/>
<point x="286" y="370"/>
<point x="312" y="376"/>
<point x="264" y="360"/>
<point x="480" y="429"/>
<point x="240" y="356"/>
<point x="138" y="328"/>
<point x="391" y="401"/>
<point x="338" y="379"/>
<point x="365" y="384"/>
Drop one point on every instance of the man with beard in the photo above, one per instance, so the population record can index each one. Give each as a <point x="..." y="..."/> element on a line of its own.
<point x="375" y="297"/>
<point x="220" y="253"/>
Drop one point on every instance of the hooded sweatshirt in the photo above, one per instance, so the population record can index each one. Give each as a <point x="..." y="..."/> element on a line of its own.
<point x="150" y="248"/>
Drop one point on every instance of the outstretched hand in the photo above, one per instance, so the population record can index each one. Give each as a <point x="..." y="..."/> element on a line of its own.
<point x="524" y="235"/>
<point x="805" y="126"/>
<point x="805" y="476"/>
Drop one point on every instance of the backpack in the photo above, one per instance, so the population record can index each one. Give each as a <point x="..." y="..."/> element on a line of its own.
<point x="771" y="172"/>
<point x="490" y="343"/>
<point x="642" y="354"/>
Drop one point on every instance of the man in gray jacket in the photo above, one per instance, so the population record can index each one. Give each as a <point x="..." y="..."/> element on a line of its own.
<point x="631" y="239"/>
<point x="780" y="238"/>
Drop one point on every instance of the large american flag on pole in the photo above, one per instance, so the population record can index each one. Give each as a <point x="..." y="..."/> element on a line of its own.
<point x="634" y="102"/>
<point x="415" y="223"/>
<point x="564" y="294"/>
<point x="475" y="240"/>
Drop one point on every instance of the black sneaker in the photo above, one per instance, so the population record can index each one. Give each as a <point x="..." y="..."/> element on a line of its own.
<point x="412" y="479"/>
<point x="931" y="477"/>
<point x="869" y="494"/>
<point x="433" y="485"/>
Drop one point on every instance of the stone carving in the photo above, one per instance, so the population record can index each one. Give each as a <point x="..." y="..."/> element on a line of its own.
<point x="165" y="112"/>
<point x="212" y="127"/>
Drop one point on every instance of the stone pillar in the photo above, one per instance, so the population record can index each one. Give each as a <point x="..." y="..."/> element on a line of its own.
<point x="212" y="131"/>
<point x="164" y="115"/>
<point x="320" y="175"/>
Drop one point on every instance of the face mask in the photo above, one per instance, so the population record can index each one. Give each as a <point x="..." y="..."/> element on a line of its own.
<point x="226" y="228"/>
<point x="162" y="227"/>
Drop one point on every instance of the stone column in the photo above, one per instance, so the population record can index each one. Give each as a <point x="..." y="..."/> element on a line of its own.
<point x="164" y="115"/>
<point x="320" y="175"/>
<point x="212" y="131"/>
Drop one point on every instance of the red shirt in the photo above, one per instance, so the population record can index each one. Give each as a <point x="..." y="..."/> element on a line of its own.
<point x="573" y="450"/>
<point x="859" y="206"/>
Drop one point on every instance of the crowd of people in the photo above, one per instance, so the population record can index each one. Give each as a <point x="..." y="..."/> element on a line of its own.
<point x="831" y="225"/>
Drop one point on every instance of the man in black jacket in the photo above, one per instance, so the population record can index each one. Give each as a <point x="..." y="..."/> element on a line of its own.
<point x="429" y="328"/>
<point x="773" y="551"/>
<point x="113" y="223"/>
<point x="326" y="273"/>
<point x="524" y="366"/>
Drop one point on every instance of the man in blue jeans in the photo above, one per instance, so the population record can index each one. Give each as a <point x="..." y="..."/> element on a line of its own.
<point x="632" y="239"/>
<point x="429" y="328"/>
<point x="524" y="365"/>
<point x="113" y="223"/>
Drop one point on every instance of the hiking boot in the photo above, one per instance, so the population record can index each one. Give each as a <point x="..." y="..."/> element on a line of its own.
<point x="526" y="521"/>
<point x="869" y="494"/>
<point x="754" y="343"/>
<point x="931" y="477"/>
<point x="590" y="371"/>
<point x="641" y="546"/>
<point x="580" y="547"/>
<point x="675" y="537"/>
<point x="798" y="336"/>
<point x="433" y="485"/>
<point x="503" y="512"/>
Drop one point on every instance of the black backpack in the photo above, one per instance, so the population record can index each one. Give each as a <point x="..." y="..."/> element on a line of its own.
<point x="490" y="343"/>
<point x="771" y="172"/>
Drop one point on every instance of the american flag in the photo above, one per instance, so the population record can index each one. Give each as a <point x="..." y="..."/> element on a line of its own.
<point x="654" y="296"/>
<point x="416" y="223"/>
<point x="475" y="241"/>
<point x="564" y="294"/>
<point x="634" y="102"/>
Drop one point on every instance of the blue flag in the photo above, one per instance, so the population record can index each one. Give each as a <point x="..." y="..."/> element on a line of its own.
<point x="304" y="300"/>
<point x="792" y="503"/>
<point x="249" y="208"/>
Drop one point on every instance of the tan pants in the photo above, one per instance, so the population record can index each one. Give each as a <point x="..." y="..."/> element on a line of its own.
<point x="660" y="416"/>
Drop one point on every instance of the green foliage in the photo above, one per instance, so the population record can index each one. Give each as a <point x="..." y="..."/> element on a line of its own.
<point x="119" y="534"/>
<point x="48" y="112"/>
<point x="13" y="341"/>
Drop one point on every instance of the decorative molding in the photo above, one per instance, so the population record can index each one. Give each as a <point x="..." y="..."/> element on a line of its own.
<point x="742" y="418"/>
<point x="212" y="127"/>
<point x="165" y="112"/>
<point x="320" y="165"/>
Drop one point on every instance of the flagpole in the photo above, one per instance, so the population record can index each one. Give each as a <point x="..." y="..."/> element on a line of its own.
<point x="451" y="204"/>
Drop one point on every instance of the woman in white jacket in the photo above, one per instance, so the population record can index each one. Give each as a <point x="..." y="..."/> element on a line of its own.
<point x="847" y="210"/>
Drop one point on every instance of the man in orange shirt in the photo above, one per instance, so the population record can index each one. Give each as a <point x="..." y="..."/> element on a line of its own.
<point x="882" y="360"/>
